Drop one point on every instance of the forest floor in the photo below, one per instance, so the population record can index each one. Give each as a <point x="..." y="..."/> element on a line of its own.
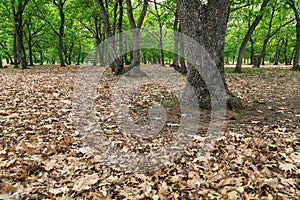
<point x="43" y="157"/>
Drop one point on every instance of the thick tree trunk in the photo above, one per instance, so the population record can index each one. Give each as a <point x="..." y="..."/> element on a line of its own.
<point x="238" y="67"/>
<point x="18" y="20"/>
<point x="296" y="65"/>
<point x="207" y="25"/>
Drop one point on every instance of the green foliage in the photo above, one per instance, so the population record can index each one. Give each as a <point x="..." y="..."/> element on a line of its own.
<point x="84" y="27"/>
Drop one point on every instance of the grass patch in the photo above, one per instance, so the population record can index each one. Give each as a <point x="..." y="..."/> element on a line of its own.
<point x="166" y="99"/>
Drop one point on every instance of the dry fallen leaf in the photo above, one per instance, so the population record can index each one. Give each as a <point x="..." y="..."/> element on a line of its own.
<point x="86" y="182"/>
<point x="287" y="167"/>
<point x="56" y="191"/>
<point x="50" y="165"/>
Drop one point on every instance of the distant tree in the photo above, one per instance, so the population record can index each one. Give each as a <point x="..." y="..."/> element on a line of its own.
<point x="251" y="29"/>
<point x="60" y="33"/>
<point x="33" y="27"/>
<point x="270" y="33"/>
<point x="16" y="10"/>
<point x="116" y="64"/>
<point x="134" y="67"/>
<point x="296" y="65"/>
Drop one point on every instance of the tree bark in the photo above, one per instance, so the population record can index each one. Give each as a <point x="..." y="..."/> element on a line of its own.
<point x="19" y="52"/>
<point x="296" y="65"/>
<point x="15" y="48"/>
<point x="183" y="69"/>
<point x="266" y="40"/>
<point x="120" y="27"/>
<point x="60" y="5"/>
<point x="1" y="64"/>
<point x="238" y="67"/>
<point x="134" y="68"/>
<point x="116" y="65"/>
<point x="207" y="25"/>
<point x="176" y="41"/>
<point x="252" y="52"/>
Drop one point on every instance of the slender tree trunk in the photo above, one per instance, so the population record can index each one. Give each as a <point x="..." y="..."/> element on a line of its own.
<point x="252" y="52"/>
<point x="78" y="55"/>
<point x="266" y="40"/>
<point x="21" y="50"/>
<point x="116" y="65"/>
<point x="30" y="52"/>
<point x="277" y="55"/>
<point x="160" y="24"/>
<point x="134" y="68"/>
<point x="120" y="27"/>
<point x="102" y="52"/>
<point x="60" y="5"/>
<point x="286" y="58"/>
<point x="238" y="67"/>
<point x="176" y="41"/>
<point x="1" y="64"/>
<point x="41" y="58"/>
<point x="15" y="48"/>
<point x="61" y="35"/>
<point x="161" y="47"/>
<point x="98" y="41"/>
<point x="183" y="69"/>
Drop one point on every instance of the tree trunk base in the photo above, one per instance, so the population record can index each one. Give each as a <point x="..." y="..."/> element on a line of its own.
<point x="135" y="72"/>
<point x="233" y="103"/>
<point x="296" y="68"/>
<point x="237" y="70"/>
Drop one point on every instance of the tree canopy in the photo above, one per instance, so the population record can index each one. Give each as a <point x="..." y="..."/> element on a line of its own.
<point x="65" y="31"/>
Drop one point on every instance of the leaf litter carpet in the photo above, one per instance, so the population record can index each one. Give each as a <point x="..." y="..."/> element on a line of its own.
<point x="43" y="157"/>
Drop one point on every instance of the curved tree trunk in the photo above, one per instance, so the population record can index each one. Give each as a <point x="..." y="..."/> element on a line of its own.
<point x="238" y="67"/>
<point x="296" y="65"/>
<point x="134" y="68"/>
<point x="116" y="64"/>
